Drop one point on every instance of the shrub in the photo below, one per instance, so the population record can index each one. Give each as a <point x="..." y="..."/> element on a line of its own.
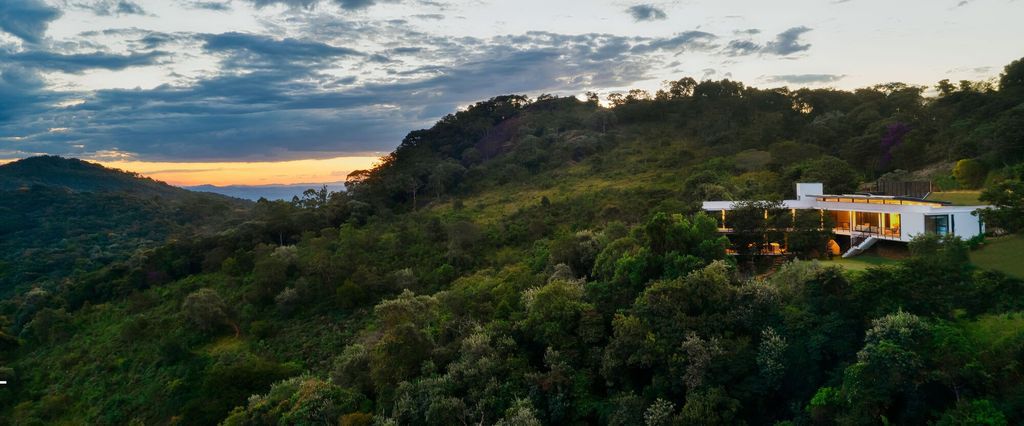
<point x="970" y="173"/>
<point x="977" y="412"/>
<point x="303" y="400"/>
<point x="287" y="301"/>
<point x="205" y="310"/>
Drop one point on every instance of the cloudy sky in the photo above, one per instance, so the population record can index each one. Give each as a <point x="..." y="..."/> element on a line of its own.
<point x="165" y="86"/>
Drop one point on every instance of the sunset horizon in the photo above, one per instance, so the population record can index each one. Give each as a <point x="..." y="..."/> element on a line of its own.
<point x="247" y="173"/>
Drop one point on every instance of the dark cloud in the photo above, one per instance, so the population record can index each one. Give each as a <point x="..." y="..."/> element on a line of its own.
<point x="209" y="5"/>
<point x="258" y="51"/>
<point x="406" y="50"/>
<point x="270" y="46"/>
<point x="742" y="47"/>
<point x="126" y="8"/>
<point x="272" y="100"/>
<point x="308" y="4"/>
<point x="646" y="12"/>
<point x="20" y="90"/>
<point x="78" y="62"/>
<point x="138" y="38"/>
<point x="787" y="42"/>
<point x="153" y="39"/>
<point x="291" y="3"/>
<point x="437" y="4"/>
<point x="240" y="115"/>
<point x="111" y="7"/>
<point x="681" y="41"/>
<point x="804" y="78"/>
<point x="355" y="4"/>
<point x="115" y="32"/>
<point x="26" y="19"/>
<point x="259" y="115"/>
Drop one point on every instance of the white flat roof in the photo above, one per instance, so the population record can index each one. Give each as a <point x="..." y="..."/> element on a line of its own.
<point x="855" y="202"/>
<point x="814" y="203"/>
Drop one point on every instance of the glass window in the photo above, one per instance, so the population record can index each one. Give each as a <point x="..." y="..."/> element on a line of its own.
<point x="892" y="225"/>
<point x="868" y="223"/>
<point x="841" y="219"/>
<point x="936" y="224"/>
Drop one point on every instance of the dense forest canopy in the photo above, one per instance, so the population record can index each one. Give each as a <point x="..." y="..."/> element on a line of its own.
<point x="543" y="261"/>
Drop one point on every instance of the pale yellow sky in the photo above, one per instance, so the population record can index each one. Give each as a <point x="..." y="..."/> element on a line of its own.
<point x="245" y="173"/>
<point x="248" y="173"/>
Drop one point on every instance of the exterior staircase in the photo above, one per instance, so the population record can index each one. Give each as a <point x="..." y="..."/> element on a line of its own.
<point x="858" y="245"/>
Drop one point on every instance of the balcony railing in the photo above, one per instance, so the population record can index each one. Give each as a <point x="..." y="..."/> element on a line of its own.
<point x="889" y="233"/>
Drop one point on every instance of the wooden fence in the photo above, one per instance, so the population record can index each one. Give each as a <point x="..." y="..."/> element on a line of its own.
<point x="916" y="189"/>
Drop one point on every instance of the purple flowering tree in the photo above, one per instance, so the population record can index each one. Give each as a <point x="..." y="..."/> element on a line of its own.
<point x="894" y="134"/>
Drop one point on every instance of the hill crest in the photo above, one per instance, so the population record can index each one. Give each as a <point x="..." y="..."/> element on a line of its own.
<point x="72" y="174"/>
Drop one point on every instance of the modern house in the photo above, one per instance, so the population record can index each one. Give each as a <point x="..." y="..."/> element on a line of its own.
<point x="866" y="218"/>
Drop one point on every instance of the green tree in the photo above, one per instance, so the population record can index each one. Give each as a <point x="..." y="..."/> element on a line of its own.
<point x="970" y="173"/>
<point x="1007" y="200"/>
<point x="444" y="177"/>
<point x="206" y="310"/>
<point x="977" y="412"/>
<point x="809" y="233"/>
<point x="398" y="356"/>
<point x="553" y="312"/>
<point x="757" y="223"/>
<point x="521" y="413"/>
<point x="837" y="175"/>
<point x="1012" y="78"/>
<point x="711" y="407"/>
<point x="303" y="400"/>
<point x="888" y="369"/>
<point x="579" y="251"/>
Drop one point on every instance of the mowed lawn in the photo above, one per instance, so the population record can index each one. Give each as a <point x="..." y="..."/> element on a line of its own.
<point x="958" y="198"/>
<point x="1004" y="254"/>
<point x="860" y="263"/>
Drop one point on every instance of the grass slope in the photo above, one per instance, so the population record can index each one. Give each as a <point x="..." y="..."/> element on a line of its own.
<point x="958" y="198"/>
<point x="860" y="263"/>
<point x="642" y="161"/>
<point x="1002" y="254"/>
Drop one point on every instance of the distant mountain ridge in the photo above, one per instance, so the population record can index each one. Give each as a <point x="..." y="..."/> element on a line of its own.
<point x="79" y="176"/>
<point x="62" y="215"/>
<point x="271" y="192"/>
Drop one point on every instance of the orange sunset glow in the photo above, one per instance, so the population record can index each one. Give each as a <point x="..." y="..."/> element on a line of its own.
<point x="247" y="173"/>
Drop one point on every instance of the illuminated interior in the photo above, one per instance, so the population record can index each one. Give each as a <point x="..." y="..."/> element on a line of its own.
<point x="882" y="225"/>
<point x="841" y="218"/>
<point x="885" y="225"/>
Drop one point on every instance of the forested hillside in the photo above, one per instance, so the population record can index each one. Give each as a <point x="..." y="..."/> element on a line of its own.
<point x="543" y="261"/>
<point x="60" y="216"/>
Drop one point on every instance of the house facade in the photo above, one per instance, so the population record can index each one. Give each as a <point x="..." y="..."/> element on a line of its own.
<point x="865" y="217"/>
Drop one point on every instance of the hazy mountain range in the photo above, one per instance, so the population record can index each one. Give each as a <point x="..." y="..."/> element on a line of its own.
<point x="270" y="192"/>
